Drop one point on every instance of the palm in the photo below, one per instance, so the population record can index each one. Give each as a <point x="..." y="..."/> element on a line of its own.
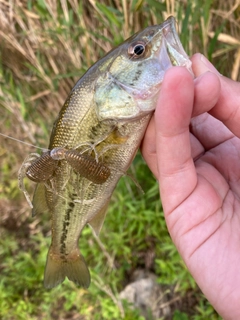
<point x="208" y="237"/>
<point x="199" y="175"/>
<point x="213" y="202"/>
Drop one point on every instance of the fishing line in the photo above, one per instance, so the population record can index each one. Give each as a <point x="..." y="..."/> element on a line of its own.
<point x="23" y="142"/>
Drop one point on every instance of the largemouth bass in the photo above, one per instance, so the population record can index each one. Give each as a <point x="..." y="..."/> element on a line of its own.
<point x="94" y="140"/>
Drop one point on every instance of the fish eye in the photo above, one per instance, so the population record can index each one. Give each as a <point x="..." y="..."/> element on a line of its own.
<point x="136" y="50"/>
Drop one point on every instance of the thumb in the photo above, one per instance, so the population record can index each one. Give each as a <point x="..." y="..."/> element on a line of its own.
<point x="177" y="177"/>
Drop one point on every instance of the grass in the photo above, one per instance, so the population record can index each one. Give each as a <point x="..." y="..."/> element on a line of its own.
<point x="45" y="46"/>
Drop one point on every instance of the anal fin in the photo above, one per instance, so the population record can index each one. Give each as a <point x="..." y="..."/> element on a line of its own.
<point x="39" y="200"/>
<point x="97" y="221"/>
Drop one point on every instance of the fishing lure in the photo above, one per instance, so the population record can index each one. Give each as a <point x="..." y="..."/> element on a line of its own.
<point x="41" y="168"/>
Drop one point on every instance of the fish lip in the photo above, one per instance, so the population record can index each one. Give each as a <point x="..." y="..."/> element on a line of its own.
<point x="174" y="45"/>
<point x="171" y="21"/>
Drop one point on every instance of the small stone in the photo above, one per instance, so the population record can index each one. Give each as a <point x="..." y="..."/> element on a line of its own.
<point x="146" y="295"/>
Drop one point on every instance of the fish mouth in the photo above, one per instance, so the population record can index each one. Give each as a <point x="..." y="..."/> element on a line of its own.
<point x="171" y="51"/>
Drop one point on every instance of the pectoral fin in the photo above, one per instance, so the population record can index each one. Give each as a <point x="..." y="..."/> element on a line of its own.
<point x="97" y="221"/>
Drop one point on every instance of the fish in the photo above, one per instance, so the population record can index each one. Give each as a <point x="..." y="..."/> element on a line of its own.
<point x="101" y="123"/>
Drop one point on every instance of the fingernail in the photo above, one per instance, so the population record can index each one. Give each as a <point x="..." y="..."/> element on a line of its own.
<point x="209" y="65"/>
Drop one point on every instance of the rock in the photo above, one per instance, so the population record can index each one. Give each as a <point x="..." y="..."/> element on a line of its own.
<point x="146" y="295"/>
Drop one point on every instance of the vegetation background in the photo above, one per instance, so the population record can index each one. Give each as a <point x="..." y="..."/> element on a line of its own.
<point x="45" y="46"/>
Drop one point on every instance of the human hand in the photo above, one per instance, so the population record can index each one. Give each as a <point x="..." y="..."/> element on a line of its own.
<point x="192" y="146"/>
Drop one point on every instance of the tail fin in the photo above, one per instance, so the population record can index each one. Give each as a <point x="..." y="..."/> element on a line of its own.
<point x="74" y="267"/>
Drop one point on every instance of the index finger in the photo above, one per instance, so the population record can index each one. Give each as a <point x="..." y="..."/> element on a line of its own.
<point x="227" y="109"/>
